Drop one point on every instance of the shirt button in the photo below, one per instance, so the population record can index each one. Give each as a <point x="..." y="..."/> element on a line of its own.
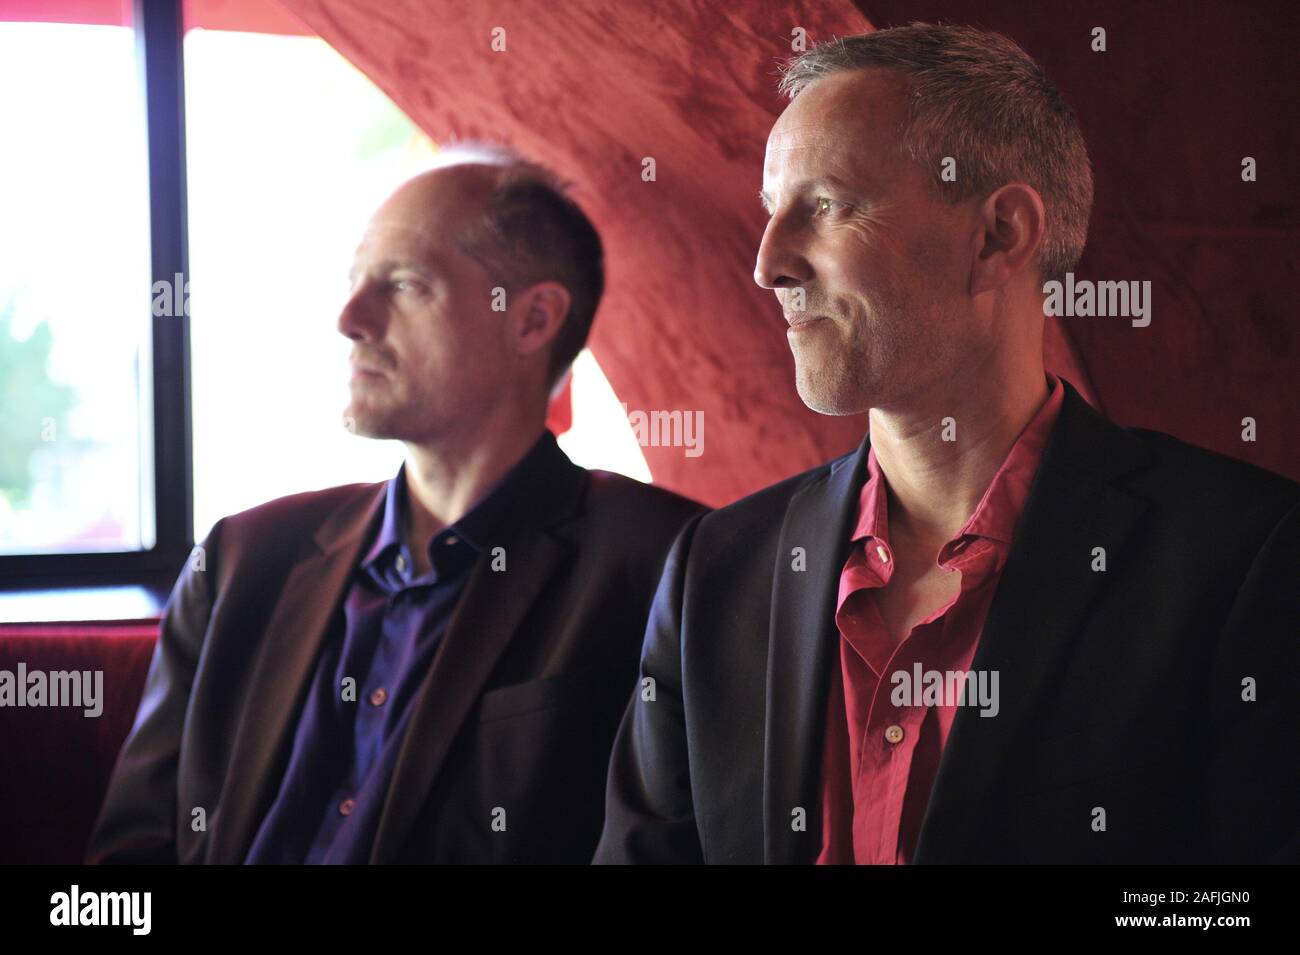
<point x="894" y="734"/>
<point x="882" y="553"/>
<point x="379" y="697"/>
<point x="346" y="806"/>
<point x="401" y="564"/>
<point x="453" y="540"/>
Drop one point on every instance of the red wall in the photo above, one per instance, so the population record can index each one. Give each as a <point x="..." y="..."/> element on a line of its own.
<point x="1185" y="90"/>
<point x="593" y="87"/>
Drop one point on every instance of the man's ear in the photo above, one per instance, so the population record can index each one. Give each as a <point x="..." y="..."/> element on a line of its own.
<point x="1010" y="230"/>
<point x="542" y="309"/>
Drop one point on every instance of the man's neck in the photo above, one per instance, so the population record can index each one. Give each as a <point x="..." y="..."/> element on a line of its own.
<point x="936" y="484"/>
<point x="444" y="481"/>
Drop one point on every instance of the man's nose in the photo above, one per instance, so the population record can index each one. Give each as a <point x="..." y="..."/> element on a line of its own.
<point x="359" y="318"/>
<point x="781" y="261"/>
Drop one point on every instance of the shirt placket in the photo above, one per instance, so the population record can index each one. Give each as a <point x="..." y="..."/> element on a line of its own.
<point x="885" y="760"/>
<point x="892" y="733"/>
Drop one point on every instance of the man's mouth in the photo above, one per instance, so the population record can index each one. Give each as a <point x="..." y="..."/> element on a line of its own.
<point x="365" y="369"/>
<point x="802" y="321"/>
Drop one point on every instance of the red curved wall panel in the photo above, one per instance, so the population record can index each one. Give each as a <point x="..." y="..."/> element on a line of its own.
<point x="593" y="89"/>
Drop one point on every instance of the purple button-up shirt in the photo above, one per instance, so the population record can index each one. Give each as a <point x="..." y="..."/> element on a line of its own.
<point x="363" y="694"/>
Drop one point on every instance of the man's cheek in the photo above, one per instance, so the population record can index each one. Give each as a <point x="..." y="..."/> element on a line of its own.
<point x="931" y="253"/>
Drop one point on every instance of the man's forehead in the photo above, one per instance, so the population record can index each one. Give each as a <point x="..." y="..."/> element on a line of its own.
<point x="409" y="231"/>
<point x="841" y="112"/>
<point x="843" y="126"/>
<point x="815" y="151"/>
<point x="433" y="208"/>
<point x="801" y="135"/>
<point x="392" y="238"/>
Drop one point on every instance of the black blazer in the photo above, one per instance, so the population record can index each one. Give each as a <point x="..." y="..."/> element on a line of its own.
<point x="1119" y="690"/>
<point x="518" y="710"/>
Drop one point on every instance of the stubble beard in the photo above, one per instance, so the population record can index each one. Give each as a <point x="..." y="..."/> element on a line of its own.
<point x="372" y="417"/>
<point x="840" y="377"/>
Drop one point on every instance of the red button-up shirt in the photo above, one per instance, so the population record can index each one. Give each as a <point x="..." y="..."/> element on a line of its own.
<point x="880" y="759"/>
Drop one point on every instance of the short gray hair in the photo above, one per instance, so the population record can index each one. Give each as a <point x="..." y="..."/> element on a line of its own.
<point x="532" y="231"/>
<point x="976" y="96"/>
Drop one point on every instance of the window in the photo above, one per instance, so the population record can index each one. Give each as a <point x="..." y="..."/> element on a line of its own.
<point x="142" y="399"/>
<point x="291" y="148"/>
<point x="76" y="446"/>
<point x="94" y="440"/>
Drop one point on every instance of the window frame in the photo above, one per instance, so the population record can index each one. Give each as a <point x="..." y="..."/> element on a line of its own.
<point x="159" y="29"/>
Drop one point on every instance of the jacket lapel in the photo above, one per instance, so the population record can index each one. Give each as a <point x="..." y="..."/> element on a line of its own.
<point x="801" y="647"/>
<point x="485" y="620"/>
<point x="1039" y="609"/>
<point x="1040" y="606"/>
<point x="291" y="644"/>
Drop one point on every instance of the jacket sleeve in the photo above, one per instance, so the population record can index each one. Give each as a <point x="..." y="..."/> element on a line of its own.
<point x="138" y="819"/>
<point x="1251" y="807"/>
<point x="649" y="817"/>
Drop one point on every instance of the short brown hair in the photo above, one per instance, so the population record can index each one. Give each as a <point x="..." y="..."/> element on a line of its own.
<point x="530" y="232"/>
<point x="976" y="96"/>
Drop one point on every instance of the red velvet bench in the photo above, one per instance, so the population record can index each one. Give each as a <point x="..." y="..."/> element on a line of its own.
<point x="55" y="761"/>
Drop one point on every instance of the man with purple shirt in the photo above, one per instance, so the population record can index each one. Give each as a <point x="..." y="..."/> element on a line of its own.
<point x="432" y="668"/>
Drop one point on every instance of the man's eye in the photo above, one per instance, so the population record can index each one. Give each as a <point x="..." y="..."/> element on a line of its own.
<point x="826" y="205"/>
<point x="408" y="285"/>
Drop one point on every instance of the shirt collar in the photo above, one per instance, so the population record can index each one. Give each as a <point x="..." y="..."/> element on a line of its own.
<point x="873" y="509"/>
<point x="482" y="526"/>
<point x="998" y="510"/>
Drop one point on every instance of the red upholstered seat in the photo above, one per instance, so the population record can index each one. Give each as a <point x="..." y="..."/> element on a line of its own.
<point x="55" y="761"/>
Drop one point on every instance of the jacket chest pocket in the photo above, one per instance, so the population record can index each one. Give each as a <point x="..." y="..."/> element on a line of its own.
<point x="1128" y="748"/>
<point x="576" y="689"/>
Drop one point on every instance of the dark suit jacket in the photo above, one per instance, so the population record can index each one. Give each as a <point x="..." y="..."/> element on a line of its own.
<point x="1119" y="690"/>
<point x="518" y="710"/>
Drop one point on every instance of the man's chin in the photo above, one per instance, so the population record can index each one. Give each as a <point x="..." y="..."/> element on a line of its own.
<point x="822" y="406"/>
<point x="828" y="397"/>
<point x="368" y="425"/>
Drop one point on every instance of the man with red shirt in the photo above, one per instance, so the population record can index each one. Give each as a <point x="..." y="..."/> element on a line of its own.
<point x="1004" y="629"/>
